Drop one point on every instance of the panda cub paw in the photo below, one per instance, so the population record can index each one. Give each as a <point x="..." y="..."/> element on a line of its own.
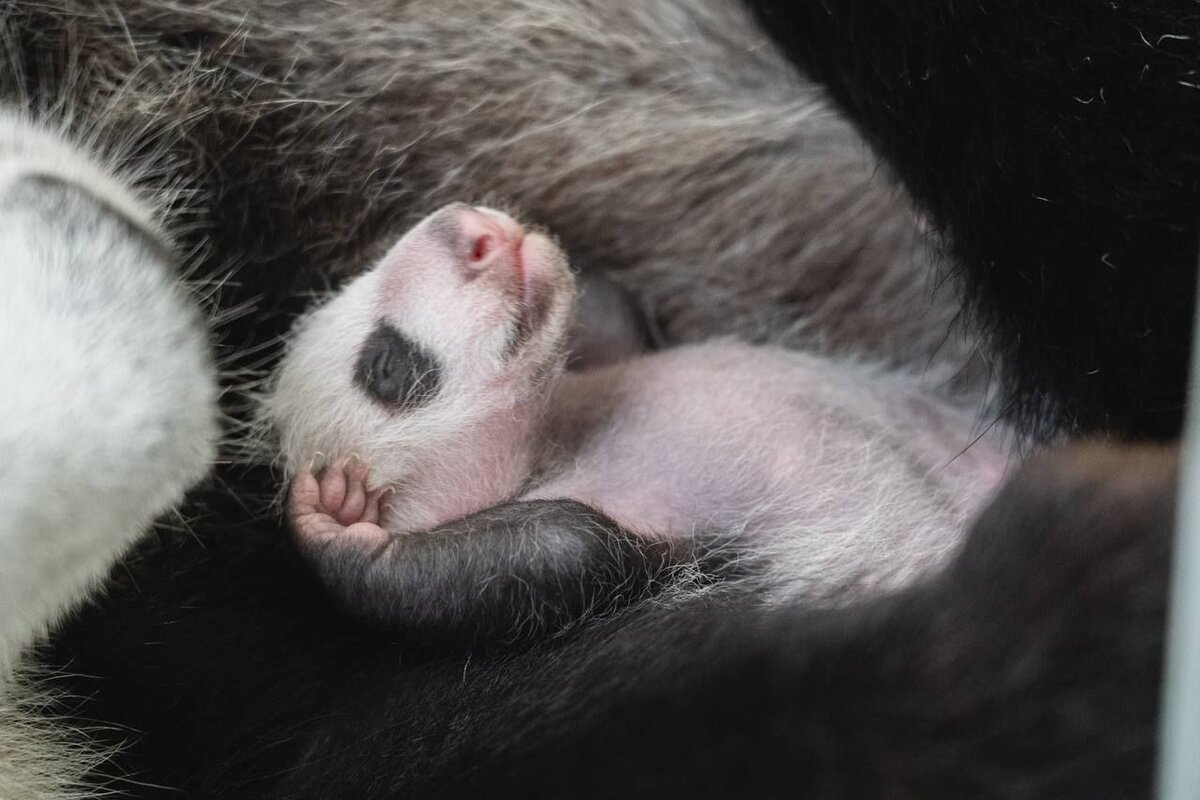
<point x="335" y="505"/>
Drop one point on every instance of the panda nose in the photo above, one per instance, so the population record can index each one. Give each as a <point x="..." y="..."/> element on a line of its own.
<point x="490" y="238"/>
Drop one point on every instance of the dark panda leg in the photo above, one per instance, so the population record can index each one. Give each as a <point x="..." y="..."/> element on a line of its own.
<point x="1058" y="146"/>
<point x="504" y="574"/>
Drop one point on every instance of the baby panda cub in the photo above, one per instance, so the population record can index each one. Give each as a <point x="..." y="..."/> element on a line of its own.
<point x="450" y="479"/>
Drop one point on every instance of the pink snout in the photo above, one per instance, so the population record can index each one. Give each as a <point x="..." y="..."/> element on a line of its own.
<point x="492" y="239"/>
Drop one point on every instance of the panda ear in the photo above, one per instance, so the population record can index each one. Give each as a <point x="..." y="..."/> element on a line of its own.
<point x="396" y="371"/>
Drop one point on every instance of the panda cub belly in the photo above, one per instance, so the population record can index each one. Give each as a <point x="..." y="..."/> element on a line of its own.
<point x="727" y="436"/>
<point x="859" y="469"/>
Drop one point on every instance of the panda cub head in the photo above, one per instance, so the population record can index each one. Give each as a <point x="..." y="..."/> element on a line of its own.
<point x="448" y="342"/>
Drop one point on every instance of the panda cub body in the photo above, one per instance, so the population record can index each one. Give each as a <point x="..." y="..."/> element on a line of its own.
<point x="432" y="390"/>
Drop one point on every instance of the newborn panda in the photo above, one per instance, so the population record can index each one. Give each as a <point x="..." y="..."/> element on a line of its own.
<point x="449" y="478"/>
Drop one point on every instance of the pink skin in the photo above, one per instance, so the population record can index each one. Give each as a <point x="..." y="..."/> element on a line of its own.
<point x="336" y="504"/>
<point x="496" y="238"/>
<point x="860" y="472"/>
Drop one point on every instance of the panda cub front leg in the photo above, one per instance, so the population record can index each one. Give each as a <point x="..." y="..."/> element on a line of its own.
<point x="335" y="505"/>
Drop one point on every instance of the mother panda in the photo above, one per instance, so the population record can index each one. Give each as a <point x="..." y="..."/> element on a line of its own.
<point x="303" y="136"/>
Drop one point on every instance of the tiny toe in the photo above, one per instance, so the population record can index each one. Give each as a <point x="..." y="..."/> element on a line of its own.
<point x="371" y="509"/>
<point x="305" y="495"/>
<point x="333" y="486"/>
<point x="358" y="470"/>
<point x="356" y="500"/>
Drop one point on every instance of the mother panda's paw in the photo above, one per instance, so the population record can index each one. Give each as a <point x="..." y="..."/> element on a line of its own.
<point x="108" y="411"/>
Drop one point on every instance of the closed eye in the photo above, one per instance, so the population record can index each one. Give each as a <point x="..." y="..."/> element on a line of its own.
<point x="396" y="371"/>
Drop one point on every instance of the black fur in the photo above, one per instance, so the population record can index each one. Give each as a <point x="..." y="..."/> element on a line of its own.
<point x="1029" y="670"/>
<point x="509" y="572"/>
<point x="1058" y="146"/>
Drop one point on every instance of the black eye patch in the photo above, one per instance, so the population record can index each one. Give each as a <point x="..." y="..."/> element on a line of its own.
<point x="395" y="370"/>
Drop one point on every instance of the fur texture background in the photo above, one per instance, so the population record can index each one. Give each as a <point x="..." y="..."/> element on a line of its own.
<point x="669" y="143"/>
<point x="1059" y="151"/>
<point x="664" y="142"/>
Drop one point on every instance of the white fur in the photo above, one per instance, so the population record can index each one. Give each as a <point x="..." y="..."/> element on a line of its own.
<point x="107" y="412"/>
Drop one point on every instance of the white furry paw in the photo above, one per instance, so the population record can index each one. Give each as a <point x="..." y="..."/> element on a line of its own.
<point x="108" y="411"/>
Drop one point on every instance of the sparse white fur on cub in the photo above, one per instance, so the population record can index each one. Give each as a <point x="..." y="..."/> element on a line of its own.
<point x="850" y="478"/>
<point x="107" y="411"/>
